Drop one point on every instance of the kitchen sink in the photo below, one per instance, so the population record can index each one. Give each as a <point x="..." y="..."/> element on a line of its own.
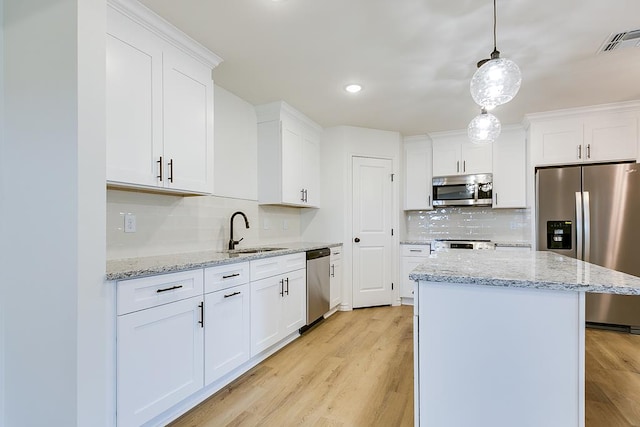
<point x="253" y="250"/>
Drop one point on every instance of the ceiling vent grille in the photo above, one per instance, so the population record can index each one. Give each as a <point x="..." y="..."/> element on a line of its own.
<point x="623" y="40"/>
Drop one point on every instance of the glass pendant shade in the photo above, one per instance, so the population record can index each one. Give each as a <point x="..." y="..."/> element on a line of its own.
<point x="484" y="128"/>
<point x="496" y="82"/>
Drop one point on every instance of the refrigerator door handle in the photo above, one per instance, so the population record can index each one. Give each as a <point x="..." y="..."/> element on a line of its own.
<point x="579" y="225"/>
<point x="587" y="226"/>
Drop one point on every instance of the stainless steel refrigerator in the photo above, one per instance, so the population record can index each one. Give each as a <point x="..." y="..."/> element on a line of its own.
<point x="593" y="213"/>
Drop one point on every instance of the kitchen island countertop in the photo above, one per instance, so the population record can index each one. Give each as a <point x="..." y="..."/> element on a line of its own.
<point x="132" y="268"/>
<point x="539" y="270"/>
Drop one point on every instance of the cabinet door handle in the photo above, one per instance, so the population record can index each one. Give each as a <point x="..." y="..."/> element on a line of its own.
<point x="302" y="195"/>
<point x="588" y="151"/>
<point x="287" y="291"/>
<point x="579" y="151"/>
<point x="429" y="200"/>
<point x="281" y="287"/>
<point x="159" y="162"/>
<point x="496" y="199"/>
<point x="464" y="166"/>
<point x="169" y="289"/>
<point x="201" y="321"/>
<point x="306" y="196"/>
<point x="231" y="275"/>
<point x="233" y="294"/>
<point x="458" y="166"/>
<point x="333" y="270"/>
<point x="171" y="170"/>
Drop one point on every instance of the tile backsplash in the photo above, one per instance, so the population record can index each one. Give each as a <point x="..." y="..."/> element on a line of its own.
<point x="500" y="225"/>
<point x="168" y="224"/>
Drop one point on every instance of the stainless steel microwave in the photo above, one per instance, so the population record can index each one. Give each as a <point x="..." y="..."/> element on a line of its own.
<point x="463" y="190"/>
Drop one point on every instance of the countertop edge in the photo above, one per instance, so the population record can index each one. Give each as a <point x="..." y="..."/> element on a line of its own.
<point x="166" y="268"/>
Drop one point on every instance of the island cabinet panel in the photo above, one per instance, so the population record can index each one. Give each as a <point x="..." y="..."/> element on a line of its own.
<point x="495" y="356"/>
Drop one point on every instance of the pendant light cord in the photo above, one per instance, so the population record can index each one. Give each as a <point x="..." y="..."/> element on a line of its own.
<point x="495" y="54"/>
<point x="495" y="19"/>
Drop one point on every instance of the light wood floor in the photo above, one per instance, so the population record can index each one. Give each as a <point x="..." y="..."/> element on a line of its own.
<point x="356" y="369"/>
<point x="612" y="386"/>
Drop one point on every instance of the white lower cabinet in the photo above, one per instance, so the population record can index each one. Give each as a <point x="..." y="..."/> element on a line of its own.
<point x="180" y="332"/>
<point x="278" y="305"/>
<point x="226" y="331"/>
<point x="412" y="256"/>
<point x="159" y="359"/>
<point x="335" y="277"/>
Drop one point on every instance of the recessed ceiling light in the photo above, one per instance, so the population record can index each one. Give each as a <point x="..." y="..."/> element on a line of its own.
<point x="353" y="88"/>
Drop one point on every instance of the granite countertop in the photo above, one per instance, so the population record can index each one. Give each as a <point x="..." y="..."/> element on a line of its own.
<point x="541" y="270"/>
<point x="497" y="243"/>
<point x="131" y="268"/>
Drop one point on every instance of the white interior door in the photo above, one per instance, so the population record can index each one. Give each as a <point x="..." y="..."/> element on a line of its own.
<point x="372" y="240"/>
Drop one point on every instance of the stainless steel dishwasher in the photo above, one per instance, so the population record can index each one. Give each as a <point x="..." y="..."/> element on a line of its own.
<point x="317" y="285"/>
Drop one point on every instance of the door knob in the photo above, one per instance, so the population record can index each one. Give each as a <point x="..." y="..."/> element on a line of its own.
<point x="357" y="240"/>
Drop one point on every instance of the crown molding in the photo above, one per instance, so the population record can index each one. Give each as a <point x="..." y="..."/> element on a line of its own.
<point x="140" y="14"/>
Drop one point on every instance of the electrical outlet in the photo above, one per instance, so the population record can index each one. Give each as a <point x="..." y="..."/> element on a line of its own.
<point x="129" y="223"/>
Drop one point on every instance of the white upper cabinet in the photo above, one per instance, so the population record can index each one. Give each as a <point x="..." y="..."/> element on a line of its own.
<point x="418" y="176"/>
<point x="509" y="169"/>
<point x="159" y="104"/>
<point x="188" y="122"/>
<point x="288" y="157"/>
<point x="453" y="154"/>
<point x="584" y="136"/>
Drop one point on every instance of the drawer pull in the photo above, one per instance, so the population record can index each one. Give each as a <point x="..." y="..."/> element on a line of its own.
<point x="415" y="250"/>
<point x="233" y="294"/>
<point x="231" y="275"/>
<point x="169" y="289"/>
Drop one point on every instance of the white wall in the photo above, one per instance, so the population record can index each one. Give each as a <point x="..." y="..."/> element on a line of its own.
<point x="53" y="241"/>
<point x="333" y="221"/>
<point x="235" y="146"/>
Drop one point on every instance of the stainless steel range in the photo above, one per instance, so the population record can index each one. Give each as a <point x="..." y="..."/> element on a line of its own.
<point x="454" y="244"/>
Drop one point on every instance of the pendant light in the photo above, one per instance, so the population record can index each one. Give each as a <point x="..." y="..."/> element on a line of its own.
<point x="497" y="80"/>
<point x="484" y="128"/>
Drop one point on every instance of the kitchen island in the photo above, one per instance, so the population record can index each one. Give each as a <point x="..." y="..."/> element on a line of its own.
<point x="499" y="337"/>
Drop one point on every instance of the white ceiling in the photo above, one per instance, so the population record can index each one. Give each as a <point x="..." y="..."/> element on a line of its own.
<point x="414" y="57"/>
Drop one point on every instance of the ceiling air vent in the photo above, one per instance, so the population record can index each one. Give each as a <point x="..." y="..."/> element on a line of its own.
<point x="623" y="40"/>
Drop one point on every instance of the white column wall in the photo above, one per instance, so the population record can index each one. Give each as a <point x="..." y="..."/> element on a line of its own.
<point x="56" y="362"/>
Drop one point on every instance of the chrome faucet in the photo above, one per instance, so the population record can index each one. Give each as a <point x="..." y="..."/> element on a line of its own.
<point x="233" y="243"/>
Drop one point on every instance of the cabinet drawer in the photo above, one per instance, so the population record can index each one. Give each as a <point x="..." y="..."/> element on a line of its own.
<point x="273" y="266"/>
<point x="146" y="292"/>
<point x="336" y="253"/>
<point x="416" y="250"/>
<point x="225" y="276"/>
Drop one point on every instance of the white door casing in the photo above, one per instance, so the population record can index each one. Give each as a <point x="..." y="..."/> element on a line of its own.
<point x="372" y="240"/>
